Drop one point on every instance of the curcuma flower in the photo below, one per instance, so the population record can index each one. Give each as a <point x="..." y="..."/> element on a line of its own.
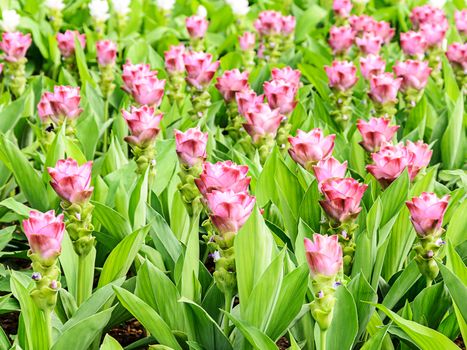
<point x="461" y="21"/>
<point x="231" y="82"/>
<point x="369" y="43"/>
<point x="174" y="59"/>
<point x="66" y="42"/>
<point x="427" y="212"/>
<point x="15" y="45"/>
<point x="342" y="75"/>
<point x="324" y="255"/>
<point x="413" y="44"/>
<point x="247" y="41"/>
<point x="196" y="26"/>
<point x="191" y="146"/>
<point x="328" y="169"/>
<point x="121" y="7"/>
<point x="308" y="148"/>
<point x="281" y="95"/>
<point x="414" y="74"/>
<point x="292" y="76"/>
<point x="106" y="52"/>
<point x="166" y="5"/>
<point x="239" y="7"/>
<point x="10" y="20"/>
<point x="383" y="92"/>
<point x="99" y="10"/>
<point x="342" y="8"/>
<point x="200" y="69"/>
<point x="341" y="39"/>
<point x="375" y="133"/>
<point x="63" y="103"/>
<point x="372" y="65"/>
<point x="262" y="122"/>
<point x="420" y="157"/>
<point x="143" y="123"/>
<point x="247" y="100"/>
<point x="142" y="84"/>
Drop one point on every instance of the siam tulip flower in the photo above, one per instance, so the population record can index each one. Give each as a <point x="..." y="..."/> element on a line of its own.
<point x="201" y="11"/>
<point x="375" y="133"/>
<point x="427" y="213"/>
<point x="361" y="23"/>
<point x="384" y="88"/>
<point x="413" y="43"/>
<point x="280" y="95"/>
<point x="54" y="5"/>
<point x="166" y="5"/>
<point x="461" y="21"/>
<point x="262" y="122"/>
<point x="66" y="42"/>
<point x="71" y="181"/>
<point x="134" y="72"/>
<point x="106" y="52"/>
<point x="191" y="146"/>
<point x="231" y="82"/>
<point x="1" y="68"/>
<point x="457" y="55"/>
<point x="433" y="33"/>
<point x="342" y="8"/>
<point x="239" y="7"/>
<point x="44" y="232"/>
<point x="414" y="74"/>
<point x="10" y="20"/>
<point x="15" y="45"/>
<point x="121" y="7"/>
<point x="196" y="26"/>
<point x="99" y="10"/>
<point x="62" y="103"/>
<point x="223" y="176"/>
<point x="372" y="65"/>
<point x="328" y="169"/>
<point x="383" y="30"/>
<point x="324" y="255"/>
<point x="143" y="123"/>
<point x="247" y="41"/>
<point x="427" y="14"/>
<point x="288" y="74"/>
<point x="200" y="69"/>
<point x="148" y="90"/>
<point x="389" y="163"/>
<point x="308" y="148"/>
<point x="247" y="100"/>
<point x="229" y="210"/>
<point x="174" y="59"/>
<point x="369" y="43"/>
<point x="341" y="39"/>
<point x="288" y="25"/>
<point x="420" y="157"/>
<point x="342" y="75"/>
<point x="342" y="198"/>
<point x="268" y="22"/>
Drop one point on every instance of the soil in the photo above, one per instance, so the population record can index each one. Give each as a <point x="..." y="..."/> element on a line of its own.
<point x="460" y="342"/>
<point x="9" y="322"/>
<point x="128" y="332"/>
<point x="283" y="343"/>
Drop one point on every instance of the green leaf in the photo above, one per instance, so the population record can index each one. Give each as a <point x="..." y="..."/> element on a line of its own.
<point x="453" y="138"/>
<point x="5" y="236"/>
<point x="113" y="221"/>
<point x="110" y="343"/>
<point x="307" y="21"/>
<point x="84" y="74"/>
<point x="138" y="199"/>
<point x="310" y="211"/>
<point x="10" y="115"/>
<point x="394" y="197"/>
<point x="4" y="341"/>
<point x="457" y="289"/>
<point x="430" y="305"/>
<point x="363" y="294"/>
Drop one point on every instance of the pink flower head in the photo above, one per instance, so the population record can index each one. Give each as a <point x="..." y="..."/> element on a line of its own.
<point x="288" y="74"/>
<point x="223" y="176"/>
<point x="66" y="42"/>
<point x="461" y="21"/>
<point x="383" y="30"/>
<point x="231" y="82"/>
<point x="324" y="255"/>
<point x="457" y="55"/>
<point x="413" y="43"/>
<point x="389" y="163"/>
<point x="384" y="88"/>
<point x="15" y="45"/>
<point x="328" y="169"/>
<point x="433" y="33"/>
<point x="45" y="233"/>
<point x="372" y="65"/>
<point x="269" y="22"/>
<point x="342" y="75"/>
<point x="341" y="39"/>
<point x="288" y="25"/>
<point x="262" y="121"/>
<point x="247" y="100"/>
<point x="420" y="157"/>
<point x="369" y="43"/>
<point x="62" y="103"/>
<point x="200" y="68"/>
<point x="106" y="52"/>
<point x="196" y="26"/>
<point x="229" y="210"/>
<point x="71" y="181"/>
<point x="281" y="95"/>
<point x="191" y="146"/>
<point x="135" y="72"/>
<point x="428" y="14"/>
<point x="342" y="8"/>
<point x="174" y="59"/>
<point x="308" y="148"/>
<point x="1" y="68"/>
<point x="375" y="133"/>
<point x="142" y="84"/>
<point x="414" y="74"/>
<point x="427" y="213"/>
<point x="143" y="124"/>
<point x="362" y="23"/>
<point x="247" y="41"/>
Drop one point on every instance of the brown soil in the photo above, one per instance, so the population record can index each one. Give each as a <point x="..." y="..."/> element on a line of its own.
<point x="283" y="343"/>
<point x="460" y="342"/>
<point x="128" y="333"/>
<point x="9" y="322"/>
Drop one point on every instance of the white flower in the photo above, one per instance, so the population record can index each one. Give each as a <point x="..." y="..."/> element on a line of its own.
<point x="99" y="10"/>
<point x="166" y="5"/>
<point x="437" y="3"/>
<point x="202" y="11"/>
<point x="239" y="7"/>
<point x="121" y="7"/>
<point x="9" y="21"/>
<point x="55" y="5"/>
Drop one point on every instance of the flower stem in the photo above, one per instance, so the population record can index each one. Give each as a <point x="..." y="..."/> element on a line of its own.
<point x="82" y="289"/>
<point x="48" y="324"/>
<point x="322" y="341"/>
<point x="106" y="118"/>
<point x="228" y="303"/>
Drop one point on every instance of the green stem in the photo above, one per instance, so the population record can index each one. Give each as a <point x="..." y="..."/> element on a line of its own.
<point x="228" y="304"/>
<point x="48" y="324"/>
<point x="82" y="289"/>
<point x="322" y="341"/>
<point x="429" y="282"/>
<point x="106" y="118"/>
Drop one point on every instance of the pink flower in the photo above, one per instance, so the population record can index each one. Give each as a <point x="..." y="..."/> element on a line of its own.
<point x="269" y="22"/>
<point x="383" y="30"/>
<point x="15" y="45"/>
<point x="191" y="146"/>
<point x="328" y="169"/>
<point x="142" y="84"/>
<point x="341" y="39"/>
<point x="62" y="103"/>
<point x="414" y="74"/>
<point x="427" y="213"/>
<point x="229" y="210"/>
<point x="457" y="55"/>
<point x="375" y="133"/>
<point x="461" y="21"/>
<point x="196" y="26"/>
<point x="420" y="157"/>
<point x="134" y="72"/>
<point x="143" y="124"/>
<point x="200" y="68"/>
<point x="231" y="82"/>
<point x="281" y="95"/>
<point x="433" y="33"/>
<point x="262" y="121"/>
<point x="106" y="52"/>
<point x="384" y="88"/>
<point x="413" y="43"/>
<point x="362" y="23"/>
<point x="247" y="100"/>
<point x="66" y="42"/>
<point x="369" y="43"/>
<point x="1" y="68"/>
<point x="223" y="176"/>
<point x="308" y="148"/>
<point x="389" y="163"/>
<point x="288" y="74"/>
<point x="324" y="255"/>
<point x="372" y="65"/>
<point x="342" y="75"/>
<point x="71" y="181"/>
<point x="45" y="233"/>
<point x="428" y="14"/>
<point x="247" y="41"/>
<point x="288" y="25"/>
<point x="174" y="59"/>
<point x="342" y="8"/>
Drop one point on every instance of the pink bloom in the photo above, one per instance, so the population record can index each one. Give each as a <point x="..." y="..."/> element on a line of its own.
<point x="420" y="157"/>
<point x="461" y="21"/>
<point x="384" y="88"/>
<point x="247" y="41"/>
<point x="342" y="75"/>
<point x="288" y="25"/>
<point x="231" y="82"/>
<point x="362" y="23"/>
<point x="247" y="100"/>
<point x="389" y="163"/>
<point x="15" y="45"/>
<point x="433" y="33"/>
<point x="223" y="176"/>
<point x="324" y="255"/>
<point x="375" y="133"/>
<point x="191" y="146"/>
<point x="413" y="43"/>
<point x="143" y="124"/>
<point x="200" y="68"/>
<point x="427" y="213"/>
<point x="341" y="39"/>
<point x="106" y="52"/>
<point x="134" y="72"/>
<point x="428" y="14"/>
<point x="229" y="210"/>
<point x="196" y="26"/>
<point x="269" y="22"/>
<point x="414" y="74"/>
<point x="62" y="103"/>
<point x="342" y="8"/>
<point x="174" y="59"/>
<point x="308" y="148"/>
<point x="383" y="30"/>
<point x="1" y="68"/>
<point x="262" y="121"/>
<point x="457" y="55"/>
<point x="372" y="65"/>
<point x="328" y="169"/>
<point x="148" y="91"/>
<point x="66" y="42"/>
<point x="281" y="95"/>
<point x="369" y="43"/>
<point x="71" y="181"/>
<point x="45" y="233"/>
<point x="288" y="74"/>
